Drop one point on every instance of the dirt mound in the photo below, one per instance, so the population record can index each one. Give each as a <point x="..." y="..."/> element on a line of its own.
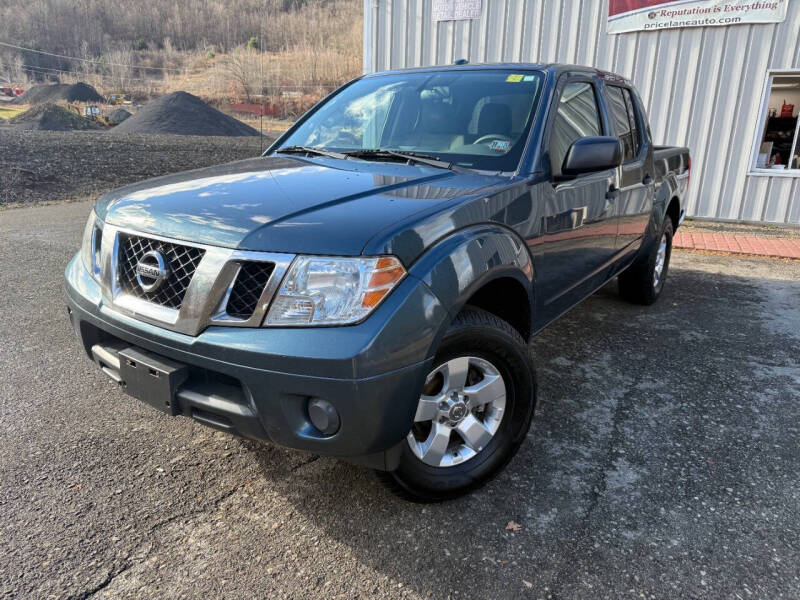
<point x="47" y="166"/>
<point x="183" y="114"/>
<point x="74" y="92"/>
<point x="118" y="116"/>
<point x="51" y="117"/>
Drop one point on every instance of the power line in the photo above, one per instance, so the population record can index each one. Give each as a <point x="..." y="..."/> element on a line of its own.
<point x="185" y="72"/>
<point x="132" y="67"/>
<point x="86" y="60"/>
<point x="261" y="67"/>
<point x="49" y="70"/>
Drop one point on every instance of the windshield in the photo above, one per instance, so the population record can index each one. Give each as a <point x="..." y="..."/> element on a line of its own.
<point x="475" y="119"/>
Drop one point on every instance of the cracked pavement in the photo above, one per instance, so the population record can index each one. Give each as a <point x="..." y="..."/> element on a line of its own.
<point x="662" y="463"/>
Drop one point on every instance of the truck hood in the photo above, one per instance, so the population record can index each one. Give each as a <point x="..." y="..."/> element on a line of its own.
<point x="279" y="204"/>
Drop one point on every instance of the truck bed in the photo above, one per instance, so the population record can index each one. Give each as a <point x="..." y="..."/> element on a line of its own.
<point x="670" y="159"/>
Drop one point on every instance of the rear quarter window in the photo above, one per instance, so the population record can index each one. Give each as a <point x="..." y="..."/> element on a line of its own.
<point x="633" y="115"/>
<point x="619" y="115"/>
<point x="624" y="116"/>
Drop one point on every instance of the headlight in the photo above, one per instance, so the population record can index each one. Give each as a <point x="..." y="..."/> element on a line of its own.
<point x="90" y="247"/>
<point x="333" y="291"/>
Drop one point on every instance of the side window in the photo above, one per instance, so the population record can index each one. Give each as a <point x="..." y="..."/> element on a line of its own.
<point x="635" y="133"/>
<point x="622" y="120"/>
<point x="577" y="116"/>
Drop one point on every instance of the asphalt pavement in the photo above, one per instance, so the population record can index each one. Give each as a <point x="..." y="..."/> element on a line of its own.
<point x="663" y="462"/>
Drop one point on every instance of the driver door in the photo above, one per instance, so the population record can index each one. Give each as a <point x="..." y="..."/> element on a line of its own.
<point x="577" y="233"/>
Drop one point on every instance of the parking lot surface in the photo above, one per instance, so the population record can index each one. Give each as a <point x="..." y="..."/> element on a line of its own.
<point x="663" y="462"/>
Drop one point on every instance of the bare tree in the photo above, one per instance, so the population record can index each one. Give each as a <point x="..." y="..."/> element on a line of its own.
<point x="85" y="66"/>
<point x="12" y="69"/>
<point x="120" y="66"/>
<point x="307" y="46"/>
<point x="243" y="67"/>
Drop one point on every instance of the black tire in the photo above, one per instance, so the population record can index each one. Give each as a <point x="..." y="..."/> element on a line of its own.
<point x="480" y="334"/>
<point x="638" y="283"/>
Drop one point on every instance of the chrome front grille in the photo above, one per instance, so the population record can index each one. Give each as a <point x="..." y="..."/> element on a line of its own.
<point x="200" y="285"/>
<point x="248" y="288"/>
<point x="181" y="262"/>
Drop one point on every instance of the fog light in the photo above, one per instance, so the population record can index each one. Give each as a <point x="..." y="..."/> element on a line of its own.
<point x="323" y="416"/>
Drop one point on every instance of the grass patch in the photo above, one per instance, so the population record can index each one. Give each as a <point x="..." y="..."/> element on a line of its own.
<point x="272" y="127"/>
<point x="6" y="112"/>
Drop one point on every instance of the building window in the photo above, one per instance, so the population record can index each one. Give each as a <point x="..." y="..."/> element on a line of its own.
<point x="777" y="147"/>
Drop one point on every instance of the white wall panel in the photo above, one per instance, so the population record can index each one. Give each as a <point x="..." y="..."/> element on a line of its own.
<point x="718" y="147"/>
<point x="755" y="192"/>
<point x="744" y="128"/>
<point x="794" y="207"/>
<point x="702" y="86"/>
<point x="660" y="100"/>
<point x="777" y="201"/>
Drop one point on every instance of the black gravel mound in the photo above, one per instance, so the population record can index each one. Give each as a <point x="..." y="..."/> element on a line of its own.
<point x="118" y="116"/>
<point x="51" y="117"/>
<point x="74" y="92"/>
<point x="54" y="166"/>
<point x="183" y="114"/>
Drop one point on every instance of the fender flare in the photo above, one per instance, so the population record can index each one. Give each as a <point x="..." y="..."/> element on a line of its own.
<point x="661" y="198"/>
<point x="460" y="264"/>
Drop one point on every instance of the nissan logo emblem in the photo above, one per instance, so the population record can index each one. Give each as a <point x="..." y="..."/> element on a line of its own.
<point x="151" y="271"/>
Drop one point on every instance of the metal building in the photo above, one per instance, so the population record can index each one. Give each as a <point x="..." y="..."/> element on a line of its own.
<point x="709" y="88"/>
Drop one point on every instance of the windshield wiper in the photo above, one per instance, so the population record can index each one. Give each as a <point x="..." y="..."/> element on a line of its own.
<point x="414" y="157"/>
<point x="423" y="159"/>
<point x="311" y="150"/>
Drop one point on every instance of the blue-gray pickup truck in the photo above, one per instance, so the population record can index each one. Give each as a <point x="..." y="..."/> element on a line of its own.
<point x="368" y="287"/>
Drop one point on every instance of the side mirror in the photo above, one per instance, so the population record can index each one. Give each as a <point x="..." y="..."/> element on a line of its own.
<point x="591" y="154"/>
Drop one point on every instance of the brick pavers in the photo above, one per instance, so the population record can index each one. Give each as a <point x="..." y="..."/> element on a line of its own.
<point x="740" y="244"/>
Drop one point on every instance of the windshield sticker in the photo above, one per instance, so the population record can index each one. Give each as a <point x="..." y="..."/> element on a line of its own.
<point x="514" y="78"/>
<point x="499" y="145"/>
<point x="529" y="78"/>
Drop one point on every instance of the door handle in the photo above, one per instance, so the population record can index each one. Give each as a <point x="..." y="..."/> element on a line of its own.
<point x="647" y="180"/>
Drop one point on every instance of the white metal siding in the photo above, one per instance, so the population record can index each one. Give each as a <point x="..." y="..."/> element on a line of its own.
<point x="702" y="86"/>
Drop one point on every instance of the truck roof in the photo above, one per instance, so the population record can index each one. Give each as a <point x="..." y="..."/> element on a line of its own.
<point x="555" y="68"/>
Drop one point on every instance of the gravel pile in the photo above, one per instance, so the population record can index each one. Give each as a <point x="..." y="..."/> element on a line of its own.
<point x="47" y="166"/>
<point x="183" y="114"/>
<point x="118" y="116"/>
<point x="68" y="92"/>
<point x="51" y="117"/>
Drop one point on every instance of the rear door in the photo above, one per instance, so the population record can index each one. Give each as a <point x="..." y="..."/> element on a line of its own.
<point x="636" y="180"/>
<point x="576" y="241"/>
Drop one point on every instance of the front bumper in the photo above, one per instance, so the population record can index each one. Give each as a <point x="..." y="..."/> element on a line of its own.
<point x="256" y="382"/>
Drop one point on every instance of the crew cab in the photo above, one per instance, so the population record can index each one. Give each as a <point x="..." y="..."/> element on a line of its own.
<point x="368" y="287"/>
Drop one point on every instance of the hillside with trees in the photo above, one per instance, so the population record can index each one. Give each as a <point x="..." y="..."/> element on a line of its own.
<point x="231" y="50"/>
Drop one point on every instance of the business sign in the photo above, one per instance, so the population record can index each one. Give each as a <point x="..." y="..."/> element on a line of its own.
<point x="455" y="10"/>
<point x="654" y="15"/>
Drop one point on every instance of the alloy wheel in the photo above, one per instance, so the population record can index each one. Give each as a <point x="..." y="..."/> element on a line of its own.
<point x="459" y="412"/>
<point x="661" y="259"/>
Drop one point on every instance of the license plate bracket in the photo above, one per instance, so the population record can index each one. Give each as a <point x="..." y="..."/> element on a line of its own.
<point x="151" y="379"/>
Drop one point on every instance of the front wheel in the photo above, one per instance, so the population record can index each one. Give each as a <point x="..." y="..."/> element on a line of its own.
<point x="473" y="414"/>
